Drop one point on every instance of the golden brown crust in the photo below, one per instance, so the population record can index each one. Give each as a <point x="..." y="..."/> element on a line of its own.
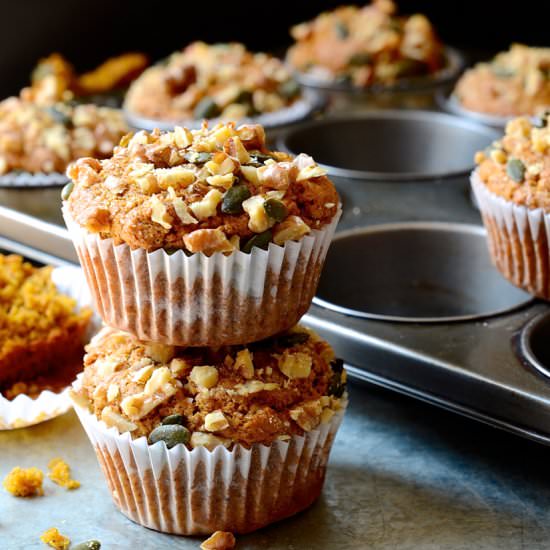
<point x="366" y="46"/>
<point x="273" y="389"/>
<point x="40" y="334"/>
<point x="235" y="82"/>
<point x="514" y="83"/>
<point x="47" y="139"/>
<point x="517" y="167"/>
<point x="169" y="191"/>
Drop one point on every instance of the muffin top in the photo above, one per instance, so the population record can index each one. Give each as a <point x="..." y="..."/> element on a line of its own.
<point x="209" y="81"/>
<point x="517" y="167"/>
<point x="516" y="82"/>
<point x="266" y="391"/>
<point x="366" y="45"/>
<point x="37" y="138"/>
<point x="208" y="190"/>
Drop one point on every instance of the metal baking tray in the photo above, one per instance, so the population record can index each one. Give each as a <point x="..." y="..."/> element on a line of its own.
<point x="456" y="334"/>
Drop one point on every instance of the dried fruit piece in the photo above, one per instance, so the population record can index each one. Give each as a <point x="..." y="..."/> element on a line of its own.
<point x="220" y="540"/>
<point x="60" y="473"/>
<point x="21" y="482"/>
<point x="52" y="537"/>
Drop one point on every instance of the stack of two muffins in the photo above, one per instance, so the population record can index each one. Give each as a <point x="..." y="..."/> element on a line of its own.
<point x="207" y="407"/>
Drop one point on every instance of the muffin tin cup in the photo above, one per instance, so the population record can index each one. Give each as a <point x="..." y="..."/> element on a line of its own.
<point x="519" y="239"/>
<point x="197" y="492"/>
<point x="24" y="411"/>
<point x="28" y="179"/>
<point x="198" y="300"/>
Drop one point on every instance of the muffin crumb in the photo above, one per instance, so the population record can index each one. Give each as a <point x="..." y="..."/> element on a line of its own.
<point x="220" y="540"/>
<point x="60" y="473"/>
<point x="24" y="482"/>
<point x="52" y="537"/>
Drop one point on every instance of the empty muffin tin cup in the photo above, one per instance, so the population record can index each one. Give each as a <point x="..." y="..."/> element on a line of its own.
<point x="533" y="343"/>
<point x="415" y="272"/>
<point x="391" y="145"/>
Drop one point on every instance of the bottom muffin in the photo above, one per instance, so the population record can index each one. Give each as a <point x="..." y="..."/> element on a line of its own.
<point x="197" y="440"/>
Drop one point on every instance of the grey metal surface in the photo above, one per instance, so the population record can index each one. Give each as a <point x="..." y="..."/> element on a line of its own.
<point x="421" y="272"/>
<point x="391" y="145"/>
<point x="534" y="343"/>
<point x="402" y="476"/>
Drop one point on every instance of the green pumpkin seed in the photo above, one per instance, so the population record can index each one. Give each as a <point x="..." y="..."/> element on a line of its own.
<point x="67" y="190"/>
<point x="515" y="169"/>
<point x="206" y="108"/>
<point x="87" y="545"/>
<point x="245" y="96"/>
<point x="275" y="209"/>
<point x="292" y="339"/>
<point x="289" y="89"/>
<point x="171" y="434"/>
<point x="257" y="158"/>
<point x="60" y="117"/>
<point x="233" y="199"/>
<point x="261" y="240"/>
<point x="341" y="30"/>
<point x="359" y="59"/>
<point x="173" y="419"/>
<point x="197" y="158"/>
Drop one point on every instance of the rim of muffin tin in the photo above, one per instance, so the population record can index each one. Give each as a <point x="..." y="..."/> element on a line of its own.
<point x="529" y="342"/>
<point x="407" y="115"/>
<point x="455" y="64"/>
<point x="30" y="180"/>
<point x="440" y="227"/>
<point x="450" y="103"/>
<point x="302" y="109"/>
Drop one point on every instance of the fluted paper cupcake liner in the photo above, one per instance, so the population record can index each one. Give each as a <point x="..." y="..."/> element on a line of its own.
<point x="198" y="300"/>
<point x="22" y="410"/>
<point x="518" y="238"/>
<point x="28" y="179"/>
<point x="197" y="492"/>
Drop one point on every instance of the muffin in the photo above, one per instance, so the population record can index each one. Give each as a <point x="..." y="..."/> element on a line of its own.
<point x="201" y="237"/>
<point x="195" y="440"/>
<point x="366" y="46"/>
<point x="219" y="81"/>
<point x="44" y="140"/>
<point x="42" y="335"/>
<point x="512" y="186"/>
<point x="513" y="83"/>
<point x="54" y="79"/>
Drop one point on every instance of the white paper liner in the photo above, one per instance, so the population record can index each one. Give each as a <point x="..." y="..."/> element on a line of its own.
<point x="28" y="179"/>
<point x="519" y="239"/>
<point x="198" y="300"/>
<point x="24" y="411"/>
<point x="197" y="492"/>
<point x="300" y="110"/>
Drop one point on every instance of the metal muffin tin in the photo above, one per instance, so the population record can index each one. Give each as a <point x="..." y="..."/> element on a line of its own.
<point x="477" y="349"/>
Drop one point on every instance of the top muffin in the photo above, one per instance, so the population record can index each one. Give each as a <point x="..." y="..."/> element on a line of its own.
<point x="515" y="82"/>
<point x="366" y="46"/>
<point x="208" y="190"/>
<point x="517" y="167"/>
<point x="210" y="81"/>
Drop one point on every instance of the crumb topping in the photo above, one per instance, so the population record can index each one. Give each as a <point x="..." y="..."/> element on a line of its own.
<point x="52" y="537"/>
<point x="24" y="482"/>
<point x="269" y="390"/>
<point x="210" y="81"/>
<point x="517" y="167"/>
<point x="208" y="190"/>
<point x="366" y="45"/>
<point x="37" y="138"/>
<point x="515" y="82"/>
<point x="60" y="473"/>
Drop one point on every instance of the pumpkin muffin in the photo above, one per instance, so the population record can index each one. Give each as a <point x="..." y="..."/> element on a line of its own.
<point x="45" y="139"/>
<point x="366" y="46"/>
<point x="513" y="83"/>
<point x="238" y="436"/>
<point x="41" y="332"/>
<point x="206" y="81"/>
<point x="180" y="232"/>
<point x="512" y="185"/>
